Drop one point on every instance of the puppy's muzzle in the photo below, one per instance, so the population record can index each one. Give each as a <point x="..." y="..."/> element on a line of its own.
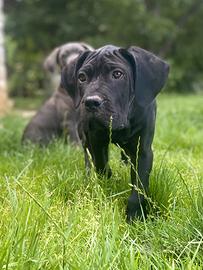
<point x="92" y="103"/>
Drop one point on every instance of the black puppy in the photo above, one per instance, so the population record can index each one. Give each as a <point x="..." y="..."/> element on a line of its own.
<point x="116" y="90"/>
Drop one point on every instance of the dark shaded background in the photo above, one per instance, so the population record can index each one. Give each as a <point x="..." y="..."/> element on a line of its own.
<point x="173" y="29"/>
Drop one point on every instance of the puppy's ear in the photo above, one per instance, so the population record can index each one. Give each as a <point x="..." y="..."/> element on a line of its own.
<point x="81" y="59"/>
<point x="68" y="81"/>
<point x="150" y="73"/>
<point x="52" y="60"/>
<point x="69" y="77"/>
<point x="87" y="46"/>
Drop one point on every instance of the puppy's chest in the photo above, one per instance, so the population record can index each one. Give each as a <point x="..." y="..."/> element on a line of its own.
<point x="113" y="136"/>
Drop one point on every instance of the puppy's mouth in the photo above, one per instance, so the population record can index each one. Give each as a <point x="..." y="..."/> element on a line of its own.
<point x="101" y="112"/>
<point x="118" y="123"/>
<point x="105" y="120"/>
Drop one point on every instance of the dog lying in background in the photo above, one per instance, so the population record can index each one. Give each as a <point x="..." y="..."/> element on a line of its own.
<point x="115" y="91"/>
<point x="57" y="116"/>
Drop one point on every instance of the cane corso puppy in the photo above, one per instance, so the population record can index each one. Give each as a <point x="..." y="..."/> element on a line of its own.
<point x="57" y="116"/>
<point x="115" y="91"/>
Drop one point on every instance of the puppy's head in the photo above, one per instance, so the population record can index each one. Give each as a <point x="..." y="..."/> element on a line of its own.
<point x="64" y="54"/>
<point x="112" y="82"/>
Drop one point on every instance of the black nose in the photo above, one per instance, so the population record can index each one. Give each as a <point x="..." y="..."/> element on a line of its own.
<point x="93" y="102"/>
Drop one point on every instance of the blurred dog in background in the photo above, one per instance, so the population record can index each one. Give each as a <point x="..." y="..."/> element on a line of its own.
<point x="60" y="57"/>
<point x="57" y="117"/>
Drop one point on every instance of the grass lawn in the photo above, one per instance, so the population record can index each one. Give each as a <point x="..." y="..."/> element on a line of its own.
<point x="54" y="217"/>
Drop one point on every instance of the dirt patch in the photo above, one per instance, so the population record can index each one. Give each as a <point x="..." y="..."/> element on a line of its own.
<point x="25" y="113"/>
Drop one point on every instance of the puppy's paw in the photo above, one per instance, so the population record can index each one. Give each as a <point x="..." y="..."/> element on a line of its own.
<point x="109" y="172"/>
<point x="135" y="210"/>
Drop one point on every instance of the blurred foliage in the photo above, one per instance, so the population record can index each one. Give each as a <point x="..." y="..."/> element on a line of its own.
<point x="172" y="29"/>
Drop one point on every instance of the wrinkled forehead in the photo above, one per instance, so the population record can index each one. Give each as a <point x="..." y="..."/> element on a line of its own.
<point x="106" y="56"/>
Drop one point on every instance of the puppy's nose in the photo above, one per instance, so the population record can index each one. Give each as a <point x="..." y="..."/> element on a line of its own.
<point x="92" y="102"/>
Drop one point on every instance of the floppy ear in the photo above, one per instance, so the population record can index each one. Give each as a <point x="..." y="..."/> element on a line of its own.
<point x="69" y="77"/>
<point x="87" y="46"/>
<point x="150" y="73"/>
<point x="51" y="60"/>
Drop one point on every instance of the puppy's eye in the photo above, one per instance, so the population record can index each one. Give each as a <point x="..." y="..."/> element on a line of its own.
<point x="117" y="74"/>
<point x="82" y="77"/>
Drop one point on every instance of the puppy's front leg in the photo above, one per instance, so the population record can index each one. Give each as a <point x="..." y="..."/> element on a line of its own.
<point x="133" y="208"/>
<point x="140" y="179"/>
<point x="99" y="154"/>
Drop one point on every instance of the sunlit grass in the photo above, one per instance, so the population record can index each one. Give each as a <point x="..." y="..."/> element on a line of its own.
<point x="55" y="217"/>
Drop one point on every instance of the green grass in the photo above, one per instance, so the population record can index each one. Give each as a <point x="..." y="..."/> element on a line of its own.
<point x="29" y="103"/>
<point x="54" y="217"/>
